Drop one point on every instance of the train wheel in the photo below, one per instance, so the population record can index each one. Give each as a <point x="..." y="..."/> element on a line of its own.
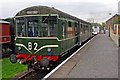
<point x="13" y="58"/>
<point x="44" y="62"/>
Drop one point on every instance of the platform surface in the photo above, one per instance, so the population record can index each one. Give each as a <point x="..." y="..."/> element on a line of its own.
<point x="98" y="59"/>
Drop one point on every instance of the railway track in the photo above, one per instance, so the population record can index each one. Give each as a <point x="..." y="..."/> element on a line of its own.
<point x="25" y="74"/>
<point x="33" y="75"/>
<point x="40" y="74"/>
<point x="44" y="74"/>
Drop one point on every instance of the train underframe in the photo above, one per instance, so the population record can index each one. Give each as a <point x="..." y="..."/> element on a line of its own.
<point x="6" y="47"/>
<point x="35" y="61"/>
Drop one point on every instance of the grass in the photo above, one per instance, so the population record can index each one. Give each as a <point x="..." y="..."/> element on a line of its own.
<point x="10" y="70"/>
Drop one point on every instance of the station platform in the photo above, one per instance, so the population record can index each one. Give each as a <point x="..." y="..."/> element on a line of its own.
<point x="98" y="59"/>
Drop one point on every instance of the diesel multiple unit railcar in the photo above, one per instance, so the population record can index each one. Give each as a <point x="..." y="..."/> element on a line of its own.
<point x="44" y="34"/>
<point x="6" y="37"/>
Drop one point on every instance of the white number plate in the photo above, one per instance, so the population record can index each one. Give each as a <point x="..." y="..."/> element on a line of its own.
<point x="32" y="45"/>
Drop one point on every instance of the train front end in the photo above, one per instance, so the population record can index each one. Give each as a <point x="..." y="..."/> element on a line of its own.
<point x="36" y="41"/>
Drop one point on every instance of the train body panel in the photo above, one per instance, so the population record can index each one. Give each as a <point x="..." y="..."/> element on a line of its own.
<point x="5" y="32"/>
<point x="40" y="45"/>
<point x="5" y="37"/>
<point x="37" y="45"/>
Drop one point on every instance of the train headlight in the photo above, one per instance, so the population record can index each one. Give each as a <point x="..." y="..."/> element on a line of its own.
<point x="19" y="48"/>
<point x="49" y="49"/>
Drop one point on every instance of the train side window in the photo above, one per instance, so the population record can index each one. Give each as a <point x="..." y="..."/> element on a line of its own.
<point x="81" y="26"/>
<point x="84" y="28"/>
<point x="53" y="30"/>
<point x="69" y="24"/>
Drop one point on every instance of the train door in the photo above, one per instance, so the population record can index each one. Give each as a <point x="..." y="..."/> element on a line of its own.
<point x="64" y="43"/>
<point x="77" y="33"/>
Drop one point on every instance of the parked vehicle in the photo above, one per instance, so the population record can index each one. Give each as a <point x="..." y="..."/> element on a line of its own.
<point x="6" y="37"/>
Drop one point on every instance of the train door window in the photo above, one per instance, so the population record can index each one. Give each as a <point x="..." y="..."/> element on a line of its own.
<point x="63" y="29"/>
<point x="20" y="27"/>
<point x="32" y="23"/>
<point x="70" y="30"/>
<point x="84" y="28"/>
<point x="76" y="27"/>
<point x="81" y="29"/>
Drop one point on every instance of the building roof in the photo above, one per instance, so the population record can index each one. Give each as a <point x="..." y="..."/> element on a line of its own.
<point x="112" y="17"/>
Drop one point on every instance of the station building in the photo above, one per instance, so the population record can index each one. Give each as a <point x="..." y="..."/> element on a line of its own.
<point x="113" y="25"/>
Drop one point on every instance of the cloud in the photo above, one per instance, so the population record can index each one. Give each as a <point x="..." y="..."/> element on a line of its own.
<point x="119" y="8"/>
<point x="85" y="10"/>
<point x="79" y="8"/>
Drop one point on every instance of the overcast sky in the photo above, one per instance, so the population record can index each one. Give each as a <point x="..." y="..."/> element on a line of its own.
<point x="84" y="9"/>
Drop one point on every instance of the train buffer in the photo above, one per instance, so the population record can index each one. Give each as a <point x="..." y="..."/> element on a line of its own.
<point x="98" y="59"/>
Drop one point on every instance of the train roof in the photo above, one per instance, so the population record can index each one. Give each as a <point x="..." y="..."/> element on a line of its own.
<point x="36" y="10"/>
<point x="4" y="22"/>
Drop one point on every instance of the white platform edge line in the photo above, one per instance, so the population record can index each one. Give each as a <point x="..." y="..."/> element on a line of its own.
<point x="65" y="60"/>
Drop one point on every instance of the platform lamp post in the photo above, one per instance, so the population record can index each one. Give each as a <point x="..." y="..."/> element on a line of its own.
<point x="109" y="25"/>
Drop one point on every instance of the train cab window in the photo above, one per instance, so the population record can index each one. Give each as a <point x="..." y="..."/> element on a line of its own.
<point x="32" y="29"/>
<point x="49" y="26"/>
<point x="20" y="27"/>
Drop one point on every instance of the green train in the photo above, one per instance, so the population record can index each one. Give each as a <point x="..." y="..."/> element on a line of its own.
<point x="44" y="34"/>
